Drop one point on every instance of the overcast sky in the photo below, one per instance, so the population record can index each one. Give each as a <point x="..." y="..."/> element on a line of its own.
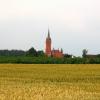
<point x="73" y="24"/>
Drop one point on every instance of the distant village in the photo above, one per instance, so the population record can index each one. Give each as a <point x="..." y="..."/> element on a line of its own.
<point x="48" y="56"/>
<point x="49" y="52"/>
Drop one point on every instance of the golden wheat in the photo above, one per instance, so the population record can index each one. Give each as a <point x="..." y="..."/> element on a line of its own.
<point x="49" y="82"/>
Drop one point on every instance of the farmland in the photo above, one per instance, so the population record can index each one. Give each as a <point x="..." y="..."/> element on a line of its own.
<point x="49" y="82"/>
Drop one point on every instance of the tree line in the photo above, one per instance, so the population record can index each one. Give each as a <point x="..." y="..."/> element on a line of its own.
<point x="32" y="56"/>
<point x="30" y="52"/>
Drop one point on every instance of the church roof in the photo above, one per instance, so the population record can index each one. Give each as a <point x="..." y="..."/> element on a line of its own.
<point x="55" y="51"/>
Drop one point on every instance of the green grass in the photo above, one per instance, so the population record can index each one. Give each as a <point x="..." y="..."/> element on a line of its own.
<point x="49" y="82"/>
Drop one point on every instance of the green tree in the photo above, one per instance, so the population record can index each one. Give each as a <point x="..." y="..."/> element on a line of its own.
<point x="40" y="53"/>
<point x="31" y="52"/>
<point x="84" y="53"/>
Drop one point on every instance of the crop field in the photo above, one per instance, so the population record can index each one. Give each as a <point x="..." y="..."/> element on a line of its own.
<point x="49" y="82"/>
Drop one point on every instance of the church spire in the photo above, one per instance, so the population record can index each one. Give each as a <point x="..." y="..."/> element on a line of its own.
<point x="48" y="45"/>
<point x="48" y="33"/>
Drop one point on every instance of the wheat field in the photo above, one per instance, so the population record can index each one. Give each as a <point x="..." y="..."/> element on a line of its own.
<point x="49" y="82"/>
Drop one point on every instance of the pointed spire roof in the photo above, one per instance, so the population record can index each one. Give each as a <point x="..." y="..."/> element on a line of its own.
<point x="48" y="33"/>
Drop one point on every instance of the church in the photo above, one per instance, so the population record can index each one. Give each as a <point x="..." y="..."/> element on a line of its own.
<point x="49" y="52"/>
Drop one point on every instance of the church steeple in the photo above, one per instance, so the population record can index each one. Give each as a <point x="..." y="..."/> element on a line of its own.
<point x="48" y="45"/>
<point x="48" y="51"/>
<point x="48" y="33"/>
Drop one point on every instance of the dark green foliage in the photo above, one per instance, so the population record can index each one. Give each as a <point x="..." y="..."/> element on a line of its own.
<point x="40" y="53"/>
<point x="38" y="57"/>
<point x="84" y="53"/>
<point x="67" y="56"/>
<point x="31" y="52"/>
<point x="47" y="60"/>
<point x="98" y="55"/>
<point x="12" y="53"/>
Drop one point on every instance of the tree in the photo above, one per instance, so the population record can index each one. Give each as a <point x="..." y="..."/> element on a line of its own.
<point x="31" y="52"/>
<point x="40" y="53"/>
<point x="84" y="53"/>
<point x="67" y="56"/>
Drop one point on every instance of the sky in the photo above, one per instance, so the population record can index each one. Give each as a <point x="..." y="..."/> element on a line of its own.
<point x="74" y="25"/>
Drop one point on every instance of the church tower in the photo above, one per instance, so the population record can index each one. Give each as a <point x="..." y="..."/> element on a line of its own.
<point x="48" y="45"/>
